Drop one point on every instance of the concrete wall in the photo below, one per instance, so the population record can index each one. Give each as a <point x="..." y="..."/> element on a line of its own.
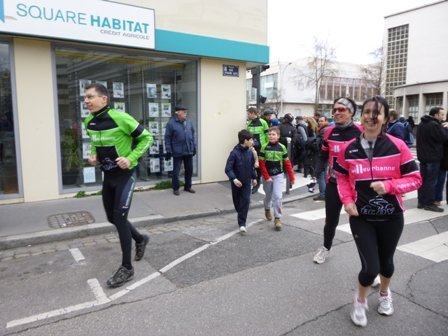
<point x="223" y="115"/>
<point x="36" y="119"/>
<point x="227" y="19"/>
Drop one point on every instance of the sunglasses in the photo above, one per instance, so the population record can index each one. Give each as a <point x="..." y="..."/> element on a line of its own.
<point x="339" y="109"/>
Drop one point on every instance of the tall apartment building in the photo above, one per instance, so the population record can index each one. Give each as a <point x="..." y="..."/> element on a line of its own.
<point x="416" y="67"/>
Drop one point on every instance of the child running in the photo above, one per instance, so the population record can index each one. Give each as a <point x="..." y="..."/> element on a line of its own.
<point x="240" y="168"/>
<point x="274" y="162"/>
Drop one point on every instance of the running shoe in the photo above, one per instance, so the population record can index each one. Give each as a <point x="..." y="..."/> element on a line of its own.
<point x="386" y="307"/>
<point x="141" y="247"/>
<point x="121" y="276"/>
<point x="376" y="281"/>
<point x="358" y="313"/>
<point x="267" y="213"/>
<point x="278" y="224"/>
<point x="243" y="229"/>
<point x="321" y="255"/>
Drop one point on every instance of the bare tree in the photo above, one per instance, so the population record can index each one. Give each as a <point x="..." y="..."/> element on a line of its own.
<point x="319" y="67"/>
<point x="373" y="73"/>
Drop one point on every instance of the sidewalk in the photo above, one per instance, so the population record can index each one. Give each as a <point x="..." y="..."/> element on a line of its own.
<point x="25" y="224"/>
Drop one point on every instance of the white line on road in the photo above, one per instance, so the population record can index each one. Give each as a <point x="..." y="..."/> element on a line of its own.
<point x="77" y="255"/>
<point x="101" y="297"/>
<point x="320" y="213"/>
<point x="434" y="248"/>
<point x="97" y="290"/>
<point x="411" y="216"/>
<point x="300" y="182"/>
<point x="52" y="313"/>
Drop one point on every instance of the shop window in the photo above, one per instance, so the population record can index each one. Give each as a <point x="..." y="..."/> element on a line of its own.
<point x="146" y="87"/>
<point x="8" y="158"/>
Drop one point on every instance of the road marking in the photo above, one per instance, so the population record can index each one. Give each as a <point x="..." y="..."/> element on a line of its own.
<point x="410" y="216"/>
<point x="134" y="286"/>
<point x="300" y="182"/>
<point x="320" y="213"/>
<point x="77" y="255"/>
<point x="101" y="297"/>
<point x="97" y="290"/>
<point x="434" y="248"/>
<point x="50" y="314"/>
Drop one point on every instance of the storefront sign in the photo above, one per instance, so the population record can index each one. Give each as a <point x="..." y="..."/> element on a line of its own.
<point x="230" y="70"/>
<point x="93" y="21"/>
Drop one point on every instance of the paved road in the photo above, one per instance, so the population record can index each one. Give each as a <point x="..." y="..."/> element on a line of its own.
<point x="201" y="277"/>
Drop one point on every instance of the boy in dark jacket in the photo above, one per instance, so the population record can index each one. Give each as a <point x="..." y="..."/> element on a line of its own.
<point x="241" y="172"/>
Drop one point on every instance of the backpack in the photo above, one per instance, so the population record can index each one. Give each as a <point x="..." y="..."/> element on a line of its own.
<point x="312" y="144"/>
<point x="300" y="141"/>
<point x="409" y="134"/>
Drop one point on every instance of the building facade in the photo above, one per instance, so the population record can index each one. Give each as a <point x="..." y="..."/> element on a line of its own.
<point x="151" y="54"/>
<point x="415" y="47"/>
<point x="288" y="87"/>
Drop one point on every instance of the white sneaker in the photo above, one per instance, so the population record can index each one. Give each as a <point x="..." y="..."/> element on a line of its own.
<point x="243" y="229"/>
<point x="386" y="307"/>
<point x="358" y="313"/>
<point x="376" y="281"/>
<point x="321" y="255"/>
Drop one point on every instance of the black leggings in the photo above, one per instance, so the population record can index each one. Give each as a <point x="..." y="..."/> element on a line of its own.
<point x="241" y="201"/>
<point x="118" y="187"/>
<point x="376" y="243"/>
<point x="333" y="207"/>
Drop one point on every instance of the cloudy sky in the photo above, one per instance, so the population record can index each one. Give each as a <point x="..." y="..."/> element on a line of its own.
<point x="353" y="27"/>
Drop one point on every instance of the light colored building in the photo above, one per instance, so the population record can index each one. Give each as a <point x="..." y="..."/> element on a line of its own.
<point x="416" y="67"/>
<point x="151" y="54"/>
<point x="288" y="89"/>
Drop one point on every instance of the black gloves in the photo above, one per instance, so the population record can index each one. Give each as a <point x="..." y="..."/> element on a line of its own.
<point x="168" y="156"/>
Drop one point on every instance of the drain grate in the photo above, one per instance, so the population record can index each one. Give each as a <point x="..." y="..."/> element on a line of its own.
<point x="70" y="219"/>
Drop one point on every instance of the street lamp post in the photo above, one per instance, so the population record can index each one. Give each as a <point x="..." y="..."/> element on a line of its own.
<point x="282" y="74"/>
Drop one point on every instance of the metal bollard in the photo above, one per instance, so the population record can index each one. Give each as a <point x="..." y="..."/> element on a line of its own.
<point x="288" y="182"/>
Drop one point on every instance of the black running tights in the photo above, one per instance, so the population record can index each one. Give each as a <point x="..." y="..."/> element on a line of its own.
<point x="376" y="243"/>
<point x="118" y="188"/>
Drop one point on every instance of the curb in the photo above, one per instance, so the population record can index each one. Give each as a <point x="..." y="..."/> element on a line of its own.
<point x="56" y="235"/>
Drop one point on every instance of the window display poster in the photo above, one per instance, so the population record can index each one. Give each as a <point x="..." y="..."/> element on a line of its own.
<point x="120" y="106"/>
<point x="166" y="91"/>
<point x="89" y="174"/>
<point x="84" y="111"/>
<point x="103" y="83"/>
<point x="154" y="149"/>
<point x="151" y="90"/>
<point x="168" y="165"/>
<point x="153" y="109"/>
<point x="164" y="127"/>
<point x="118" y="89"/>
<point x="82" y="85"/>
<point x="153" y="127"/>
<point x="86" y="150"/>
<point x="166" y="110"/>
<point x="154" y="165"/>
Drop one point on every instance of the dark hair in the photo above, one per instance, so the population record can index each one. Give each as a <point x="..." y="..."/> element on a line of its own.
<point x="377" y="100"/>
<point x="288" y="118"/>
<point x="435" y="110"/>
<point x="99" y="88"/>
<point x="252" y="110"/>
<point x="244" y="135"/>
<point x="394" y="113"/>
<point x="274" y="129"/>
